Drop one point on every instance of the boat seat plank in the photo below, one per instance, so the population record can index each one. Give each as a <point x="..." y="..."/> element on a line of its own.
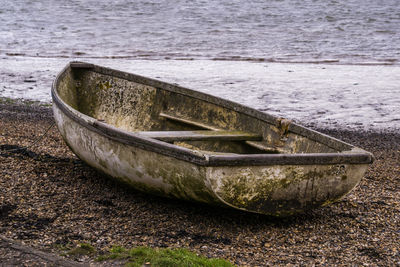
<point x="170" y="136"/>
<point x="258" y="144"/>
<point x="189" y="122"/>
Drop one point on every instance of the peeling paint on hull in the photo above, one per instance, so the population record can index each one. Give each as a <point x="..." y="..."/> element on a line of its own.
<point x="283" y="189"/>
<point x="146" y="171"/>
<point x="238" y="174"/>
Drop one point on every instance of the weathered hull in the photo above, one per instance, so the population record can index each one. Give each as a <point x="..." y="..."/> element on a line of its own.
<point x="275" y="184"/>
<point x="283" y="189"/>
<point x="145" y="170"/>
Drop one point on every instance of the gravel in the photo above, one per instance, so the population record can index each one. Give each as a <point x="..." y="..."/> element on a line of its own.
<point x="51" y="201"/>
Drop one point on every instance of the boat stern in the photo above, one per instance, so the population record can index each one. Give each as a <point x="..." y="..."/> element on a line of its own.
<point x="282" y="190"/>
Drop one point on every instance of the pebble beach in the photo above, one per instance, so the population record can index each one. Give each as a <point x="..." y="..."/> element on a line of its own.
<point x="333" y="66"/>
<point x="50" y="201"/>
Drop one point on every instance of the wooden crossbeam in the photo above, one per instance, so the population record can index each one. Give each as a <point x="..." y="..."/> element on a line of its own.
<point x="170" y="136"/>
<point x="254" y="143"/>
<point x="189" y="122"/>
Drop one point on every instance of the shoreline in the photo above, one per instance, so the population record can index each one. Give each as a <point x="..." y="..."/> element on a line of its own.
<point x="83" y="56"/>
<point x="51" y="201"/>
<point x="321" y="95"/>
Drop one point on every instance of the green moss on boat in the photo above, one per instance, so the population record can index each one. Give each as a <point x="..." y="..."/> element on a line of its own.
<point x="168" y="140"/>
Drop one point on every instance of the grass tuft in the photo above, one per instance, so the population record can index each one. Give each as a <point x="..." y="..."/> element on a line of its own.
<point x="25" y="102"/>
<point x="82" y="249"/>
<point x="163" y="257"/>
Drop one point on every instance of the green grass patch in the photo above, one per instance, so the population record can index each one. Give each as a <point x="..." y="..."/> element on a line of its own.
<point x="82" y="249"/>
<point x="162" y="257"/>
<point x="6" y="100"/>
<point x="26" y="102"/>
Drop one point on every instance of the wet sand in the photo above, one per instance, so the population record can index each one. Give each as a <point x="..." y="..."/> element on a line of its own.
<point x="328" y="95"/>
<point x="51" y="201"/>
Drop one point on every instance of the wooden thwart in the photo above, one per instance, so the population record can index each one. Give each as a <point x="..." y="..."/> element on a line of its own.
<point x="251" y="142"/>
<point x="170" y="136"/>
<point x="189" y="122"/>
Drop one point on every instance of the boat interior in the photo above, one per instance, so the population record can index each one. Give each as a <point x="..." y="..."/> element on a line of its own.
<point x="184" y="117"/>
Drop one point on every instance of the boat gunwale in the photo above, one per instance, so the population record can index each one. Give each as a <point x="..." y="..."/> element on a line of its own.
<point x="352" y="154"/>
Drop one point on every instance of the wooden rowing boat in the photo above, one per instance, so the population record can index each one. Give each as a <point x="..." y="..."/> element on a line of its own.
<point x="168" y="140"/>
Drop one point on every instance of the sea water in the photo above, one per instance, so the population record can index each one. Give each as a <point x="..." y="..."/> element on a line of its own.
<point x="321" y="63"/>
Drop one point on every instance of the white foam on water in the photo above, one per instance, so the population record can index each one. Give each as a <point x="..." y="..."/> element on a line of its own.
<point x="330" y="96"/>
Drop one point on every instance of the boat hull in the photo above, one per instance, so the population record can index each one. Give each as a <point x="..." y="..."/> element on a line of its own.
<point x="144" y="170"/>
<point x="306" y="169"/>
<point x="278" y="190"/>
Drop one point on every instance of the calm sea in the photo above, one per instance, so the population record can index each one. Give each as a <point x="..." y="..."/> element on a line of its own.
<point x="340" y="31"/>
